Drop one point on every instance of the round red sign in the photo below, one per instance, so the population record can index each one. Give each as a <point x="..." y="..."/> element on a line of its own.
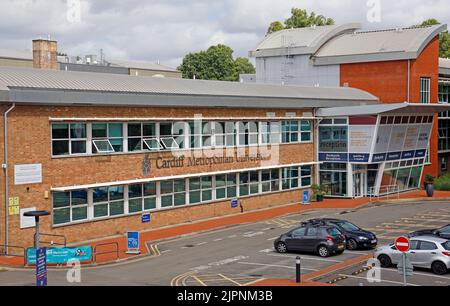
<point x="402" y="244"/>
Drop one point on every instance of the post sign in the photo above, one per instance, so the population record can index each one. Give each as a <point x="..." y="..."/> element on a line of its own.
<point x="234" y="203"/>
<point x="146" y="218"/>
<point x="402" y="244"/>
<point x="41" y="267"/>
<point x="133" y="243"/>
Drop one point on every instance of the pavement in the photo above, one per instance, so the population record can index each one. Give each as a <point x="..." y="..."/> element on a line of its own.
<point x="242" y="254"/>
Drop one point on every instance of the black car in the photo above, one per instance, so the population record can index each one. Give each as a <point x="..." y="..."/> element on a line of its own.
<point x="443" y="232"/>
<point x="356" y="237"/>
<point x="321" y="239"/>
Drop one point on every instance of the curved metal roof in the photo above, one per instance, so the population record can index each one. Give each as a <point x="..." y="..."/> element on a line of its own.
<point x="36" y="85"/>
<point x="300" y="40"/>
<point x="370" y="46"/>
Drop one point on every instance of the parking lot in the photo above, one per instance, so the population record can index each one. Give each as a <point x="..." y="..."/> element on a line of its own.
<point x="243" y="254"/>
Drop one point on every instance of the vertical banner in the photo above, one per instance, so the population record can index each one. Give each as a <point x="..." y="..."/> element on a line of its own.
<point x="41" y="267"/>
<point x="133" y="243"/>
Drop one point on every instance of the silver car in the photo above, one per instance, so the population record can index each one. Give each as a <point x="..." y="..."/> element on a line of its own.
<point x="426" y="252"/>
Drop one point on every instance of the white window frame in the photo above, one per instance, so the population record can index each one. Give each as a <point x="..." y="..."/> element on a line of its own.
<point x="101" y="151"/>
<point x="425" y="90"/>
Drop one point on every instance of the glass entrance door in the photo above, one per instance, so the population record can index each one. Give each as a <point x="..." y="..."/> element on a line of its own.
<point x="359" y="181"/>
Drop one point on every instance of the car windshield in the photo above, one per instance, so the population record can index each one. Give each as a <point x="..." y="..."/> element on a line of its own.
<point x="334" y="232"/>
<point x="445" y="230"/>
<point x="446" y="245"/>
<point x="350" y="227"/>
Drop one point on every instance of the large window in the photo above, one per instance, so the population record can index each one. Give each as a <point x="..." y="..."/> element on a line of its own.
<point x="248" y="133"/>
<point x="173" y="193"/>
<point x="107" y="137"/>
<point x="224" y="134"/>
<point x="248" y="183"/>
<point x="171" y="135"/>
<point x="425" y="90"/>
<point x="200" y="189"/>
<point x="296" y="131"/>
<point x="68" y="139"/>
<point x="270" y="132"/>
<point x="295" y="177"/>
<point x="226" y="186"/>
<point x="333" y="138"/>
<point x="141" y="197"/>
<point x="142" y="136"/>
<point x="402" y="176"/>
<point x="70" y="206"/>
<point x="108" y="201"/>
<point x="270" y="180"/>
<point x="333" y="177"/>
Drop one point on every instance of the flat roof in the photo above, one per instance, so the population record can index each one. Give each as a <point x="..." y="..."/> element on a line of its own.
<point x="26" y="85"/>
<point x="381" y="45"/>
<point x="397" y="108"/>
<point x="444" y="66"/>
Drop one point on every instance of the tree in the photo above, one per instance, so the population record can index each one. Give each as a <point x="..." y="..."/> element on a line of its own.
<point x="444" y="38"/>
<point x="216" y="63"/>
<point x="300" y="19"/>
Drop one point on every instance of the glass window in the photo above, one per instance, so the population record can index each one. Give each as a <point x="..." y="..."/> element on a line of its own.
<point x="312" y="232"/>
<point x="226" y="186"/>
<point x="69" y="206"/>
<point x="306" y="131"/>
<point x="425" y="90"/>
<point x="68" y="139"/>
<point x="248" y="133"/>
<point x="290" y="177"/>
<point x="173" y="193"/>
<point x="427" y="246"/>
<point x="107" y="137"/>
<point x="271" y="132"/>
<point x="270" y="180"/>
<point x="138" y="133"/>
<point x="299" y="232"/>
<point x="200" y="189"/>
<point x="108" y="201"/>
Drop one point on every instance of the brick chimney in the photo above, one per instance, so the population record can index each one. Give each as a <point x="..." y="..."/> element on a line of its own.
<point x="45" y="54"/>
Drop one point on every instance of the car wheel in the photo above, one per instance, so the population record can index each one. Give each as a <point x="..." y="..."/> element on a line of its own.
<point x="385" y="261"/>
<point x="323" y="251"/>
<point x="439" y="268"/>
<point x="281" y="247"/>
<point x="352" y="244"/>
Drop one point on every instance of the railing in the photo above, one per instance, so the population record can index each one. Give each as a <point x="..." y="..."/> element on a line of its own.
<point x="52" y="243"/>
<point x="96" y="253"/>
<point x="386" y="192"/>
<point x="4" y="251"/>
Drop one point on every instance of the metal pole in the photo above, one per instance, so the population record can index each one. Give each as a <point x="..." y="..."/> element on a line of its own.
<point x="36" y="235"/>
<point x="5" y="168"/>
<point x="404" y="269"/>
<point x="298" y="274"/>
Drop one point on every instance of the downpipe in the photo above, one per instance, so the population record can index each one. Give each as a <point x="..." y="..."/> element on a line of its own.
<point x="5" y="170"/>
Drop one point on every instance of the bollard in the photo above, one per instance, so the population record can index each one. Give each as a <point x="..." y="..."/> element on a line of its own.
<point x="298" y="274"/>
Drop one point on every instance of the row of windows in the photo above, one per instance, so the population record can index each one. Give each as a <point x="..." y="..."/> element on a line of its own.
<point x="95" y="138"/>
<point x="406" y="119"/>
<point x="103" y="202"/>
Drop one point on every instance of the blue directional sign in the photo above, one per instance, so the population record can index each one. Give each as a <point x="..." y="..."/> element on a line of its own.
<point x="41" y="267"/>
<point x="306" y="198"/>
<point x="145" y="218"/>
<point x="234" y="203"/>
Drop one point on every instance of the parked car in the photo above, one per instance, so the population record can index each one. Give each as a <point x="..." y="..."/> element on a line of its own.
<point x="443" y="232"/>
<point x="356" y="237"/>
<point x="321" y="239"/>
<point x="426" y="252"/>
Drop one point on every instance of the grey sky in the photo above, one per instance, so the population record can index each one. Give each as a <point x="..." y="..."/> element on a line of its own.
<point x="166" y="30"/>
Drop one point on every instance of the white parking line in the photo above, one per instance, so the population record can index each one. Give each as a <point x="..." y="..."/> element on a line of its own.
<point x="274" y="266"/>
<point x="307" y="258"/>
<point x="418" y="273"/>
<point x="383" y="280"/>
<point x="218" y="239"/>
<point x="273" y="238"/>
<point x="202" y="243"/>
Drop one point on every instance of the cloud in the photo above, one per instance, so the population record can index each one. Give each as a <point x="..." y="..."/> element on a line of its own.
<point x="166" y="30"/>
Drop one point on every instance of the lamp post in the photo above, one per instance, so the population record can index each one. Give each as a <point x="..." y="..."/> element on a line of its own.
<point x="36" y="215"/>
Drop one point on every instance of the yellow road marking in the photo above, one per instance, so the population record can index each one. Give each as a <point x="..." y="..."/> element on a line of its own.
<point x="198" y="280"/>
<point x="229" y="279"/>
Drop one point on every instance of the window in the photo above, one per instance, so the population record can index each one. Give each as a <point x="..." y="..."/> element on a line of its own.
<point x="200" y="189"/>
<point x="425" y="90"/>
<point x="446" y="245"/>
<point x="270" y="180"/>
<point x="171" y="135"/>
<point x="68" y="139"/>
<point x="108" y="201"/>
<point x="290" y="178"/>
<point x="173" y="193"/>
<point x="306" y="178"/>
<point x="248" y="133"/>
<point x="226" y="186"/>
<point x="290" y="132"/>
<point x="69" y="206"/>
<point x="224" y="134"/>
<point x="306" y="130"/>
<point x="270" y="132"/>
<point x="142" y="136"/>
<point x="312" y="232"/>
<point x="141" y="197"/>
<point x="299" y="232"/>
<point x="427" y="246"/>
<point x="107" y="137"/>
<point x="248" y="183"/>
<point x="333" y="138"/>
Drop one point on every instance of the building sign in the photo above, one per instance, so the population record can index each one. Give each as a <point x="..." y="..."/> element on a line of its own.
<point x="234" y="203"/>
<point x="27" y="222"/>
<point x="145" y="218"/>
<point x="62" y="255"/>
<point x="333" y="157"/>
<point x="28" y="174"/>
<point x="133" y="243"/>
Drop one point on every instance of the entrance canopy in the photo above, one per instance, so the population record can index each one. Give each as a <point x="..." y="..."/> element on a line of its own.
<point x="397" y="108"/>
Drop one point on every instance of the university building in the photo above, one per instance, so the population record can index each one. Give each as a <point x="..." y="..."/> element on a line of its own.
<point x="98" y="150"/>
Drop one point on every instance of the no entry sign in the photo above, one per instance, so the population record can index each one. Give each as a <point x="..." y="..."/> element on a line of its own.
<point x="402" y="244"/>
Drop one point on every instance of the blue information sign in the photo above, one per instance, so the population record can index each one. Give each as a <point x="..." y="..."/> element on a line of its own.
<point x="133" y="242"/>
<point x="41" y="267"/>
<point x="145" y="218"/>
<point x="306" y="198"/>
<point x="62" y="255"/>
<point x="234" y="203"/>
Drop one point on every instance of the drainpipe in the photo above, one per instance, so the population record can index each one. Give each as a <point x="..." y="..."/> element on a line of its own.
<point x="5" y="169"/>
<point x="409" y="81"/>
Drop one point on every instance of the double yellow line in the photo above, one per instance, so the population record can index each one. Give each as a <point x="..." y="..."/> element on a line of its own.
<point x="175" y="282"/>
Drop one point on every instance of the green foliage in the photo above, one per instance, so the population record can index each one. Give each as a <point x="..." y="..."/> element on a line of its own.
<point x="444" y="38"/>
<point x="300" y="19"/>
<point x="429" y="178"/>
<point x="443" y="182"/>
<point x="216" y="63"/>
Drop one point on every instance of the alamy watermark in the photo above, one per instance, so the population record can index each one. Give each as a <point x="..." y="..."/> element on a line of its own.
<point x="374" y="11"/>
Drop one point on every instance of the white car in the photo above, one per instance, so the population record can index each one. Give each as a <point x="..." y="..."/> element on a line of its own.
<point x="426" y="252"/>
